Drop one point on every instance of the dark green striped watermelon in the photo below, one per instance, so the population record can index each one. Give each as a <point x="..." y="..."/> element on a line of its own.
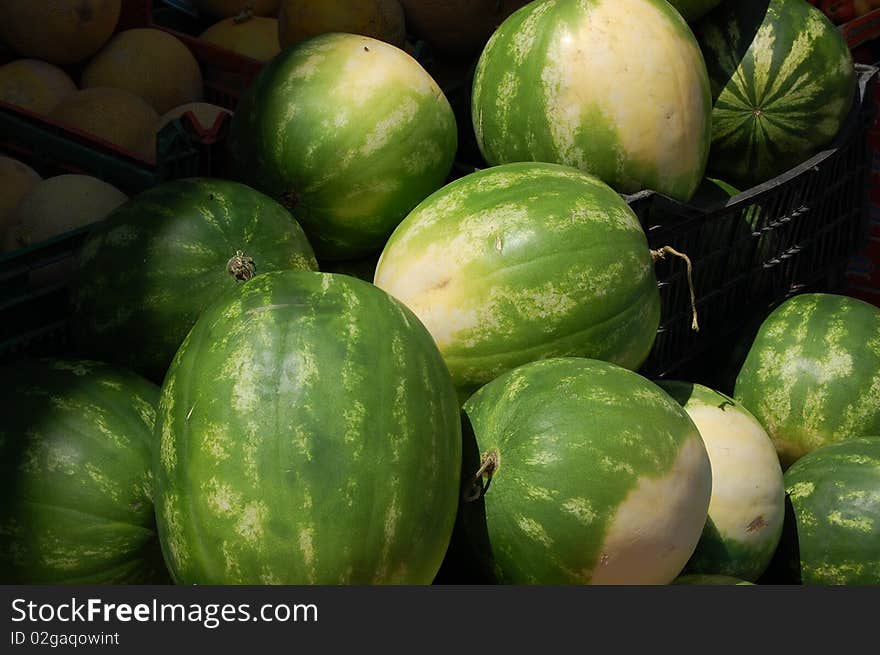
<point x="747" y="508"/>
<point x="350" y="134"/>
<point x="783" y="82"/>
<point x="148" y="270"/>
<point x="522" y="262"/>
<point x="833" y="524"/>
<point x="617" y="88"/>
<point x="309" y="434"/>
<point x="75" y="475"/>
<point x="812" y="374"/>
<point x="595" y="476"/>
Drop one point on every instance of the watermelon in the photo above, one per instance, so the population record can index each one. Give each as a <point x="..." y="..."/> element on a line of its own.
<point x="75" y="475"/>
<point x="783" y="82"/>
<point x="521" y="262"/>
<point x="593" y="475"/>
<point x="309" y="433"/>
<point x="812" y="374"/>
<point x="710" y="580"/>
<point x="349" y="133"/>
<point x="833" y="535"/>
<point x="617" y="88"/>
<point x="693" y="10"/>
<point x="148" y="270"/>
<point x="747" y="508"/>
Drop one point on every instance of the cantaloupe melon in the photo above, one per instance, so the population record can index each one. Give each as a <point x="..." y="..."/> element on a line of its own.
<point x="115" y="115"/>
<point x="150" y="63"/>
<point x="299" y="20"/>
<point x="457" y="27"/>
<point x="16" y="179"/>
<point x="252" y="36"/>
<point x="34" y="85"/>
<point x="229" y="8"/>
<point x="205" y="113"/>
<point x="58" y="31"/>
<point x="59" y="204"/>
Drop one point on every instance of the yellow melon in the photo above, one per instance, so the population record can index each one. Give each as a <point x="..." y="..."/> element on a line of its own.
<point x="150" y="63"/>
<point x="206" y="114"/>
<point x="57" y="205"/>
<point x="251" y="36"/>
<point x="115" y="115"/>
<point x="58" y="31"/>
<point x="34" y="85"/>
<point x="299" y="20"/>
<point x="229" y="8"/>
<point x="457" y="27"/>
<point x="16" y="179"/>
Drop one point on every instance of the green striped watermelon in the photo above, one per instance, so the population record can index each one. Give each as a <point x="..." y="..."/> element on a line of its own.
<point x="617" y="88"/>
<point x="595" y="476"/>
<point x="350" y="134"/>
<point x="309" y="434"/>
<point x="747" y="508"/>
<point x="834" y="517"/>
<point x="812" y="374"/>
<point x="147" y="271"/>
<point x="75" y="475"/>
<point x="521" y="262"/>
<point x="783" y="82"/>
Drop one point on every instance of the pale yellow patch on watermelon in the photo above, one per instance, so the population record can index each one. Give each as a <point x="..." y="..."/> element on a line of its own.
<point x="307" y="548"/>
<point x="389" y="127"/>
<point x="250" y="522"/>
<point x="656" y="528"/>
<point x="216" y="441"/>
<point x="542" y="459"/>
<point x="763" y="49"/>
<point x="801" y="490"/>
<point x="534" y="530"/>
<point x="866" y="405"/>
<point x="748" y="491"/>
<point x="590" y="66"/>
<point x="524" y="40"/>
<point x="581" y="509"/>
<point x="221" y="498"/>
<point x="178" y="545"/>
<point x="539" y="493"/>
<point x="859" y="523"/>
<point x="367" y="75"/>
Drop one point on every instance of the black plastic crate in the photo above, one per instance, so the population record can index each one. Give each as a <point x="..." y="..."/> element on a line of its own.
<point x="793" y="233"/>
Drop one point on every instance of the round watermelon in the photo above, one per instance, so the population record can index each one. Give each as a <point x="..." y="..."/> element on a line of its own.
<point x="833" y="535"/>
<point x="75" y="475"/>
<point x="309" y="433"/>
<point x="617" y="88"/>
<point x="747" y="508"/>
<point x="591" y="475"/>
<point x="783" y="82"/>
<point x="349" y="133"/>
<point x="148" y="270"/>
<point x="812" y="374"/>
<point x="522" y="262"/>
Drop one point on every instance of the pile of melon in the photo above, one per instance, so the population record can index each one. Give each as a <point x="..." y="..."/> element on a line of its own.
<point x="359" y="360"/>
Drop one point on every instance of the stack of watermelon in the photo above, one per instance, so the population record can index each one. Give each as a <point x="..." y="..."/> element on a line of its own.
<point x="353" y="365"/>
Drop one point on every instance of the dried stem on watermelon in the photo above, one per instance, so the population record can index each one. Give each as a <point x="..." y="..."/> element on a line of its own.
<point x="488" y="465"/>
<point x="661" y="253"/>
